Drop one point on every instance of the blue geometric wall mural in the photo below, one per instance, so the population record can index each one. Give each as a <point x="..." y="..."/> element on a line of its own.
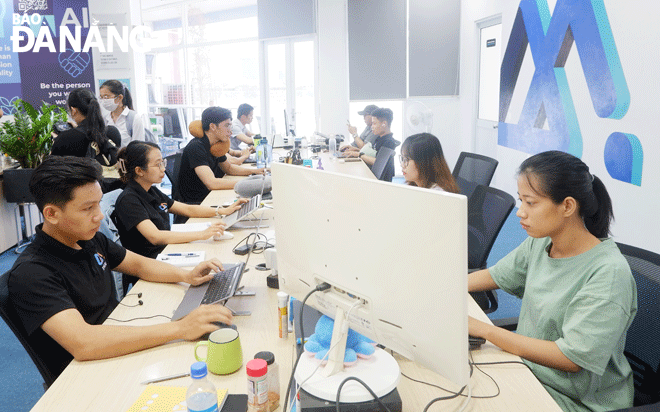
<point x="550" y="38"/>
<point x="624" y="157"/>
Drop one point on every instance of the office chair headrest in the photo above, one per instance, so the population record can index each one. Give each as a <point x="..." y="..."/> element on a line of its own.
<point x="251" y="186"/>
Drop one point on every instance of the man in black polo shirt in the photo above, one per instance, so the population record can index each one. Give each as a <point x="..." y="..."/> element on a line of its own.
<point x="380" y="125"/>
<point x="62" y="288"/>
<point x="202" y="172"/>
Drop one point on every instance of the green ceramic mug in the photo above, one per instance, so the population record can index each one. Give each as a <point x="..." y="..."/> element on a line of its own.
<point x="224" y="355"/>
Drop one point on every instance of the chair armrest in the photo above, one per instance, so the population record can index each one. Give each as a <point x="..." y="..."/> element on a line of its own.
<point x="506" y="323"/>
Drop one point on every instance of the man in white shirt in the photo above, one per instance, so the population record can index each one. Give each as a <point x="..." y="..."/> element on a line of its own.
<point x="239" y="131"/>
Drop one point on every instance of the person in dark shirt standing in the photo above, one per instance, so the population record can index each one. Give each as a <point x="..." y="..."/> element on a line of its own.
<point x="62" y="288"/>
<point x="380" y="125"/>
<point x="202" y="172"/>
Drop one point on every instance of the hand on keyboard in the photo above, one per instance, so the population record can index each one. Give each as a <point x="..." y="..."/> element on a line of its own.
<point x="202" y="273"/>
<point x="232" y="208"/>
<point x="475" y="342"/>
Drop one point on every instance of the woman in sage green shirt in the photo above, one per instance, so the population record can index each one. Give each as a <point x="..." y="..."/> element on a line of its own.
<point x="578" y="294"/>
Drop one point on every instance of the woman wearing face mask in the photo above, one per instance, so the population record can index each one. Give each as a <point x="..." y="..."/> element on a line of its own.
<point x="116" y="99"/>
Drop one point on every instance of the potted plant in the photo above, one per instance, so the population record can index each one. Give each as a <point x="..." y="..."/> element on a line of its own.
<point x="27" y="139"/>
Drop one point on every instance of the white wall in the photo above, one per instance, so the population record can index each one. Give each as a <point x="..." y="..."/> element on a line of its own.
<point x="332" y="82"/>
<point x="634" y="28"/>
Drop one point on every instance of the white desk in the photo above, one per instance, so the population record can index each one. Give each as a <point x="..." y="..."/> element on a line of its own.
<point x="114" y="384"/>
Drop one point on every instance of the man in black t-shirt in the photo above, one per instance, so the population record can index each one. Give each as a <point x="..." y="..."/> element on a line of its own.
<point x="380" y="125"/>
<point x="62" y="289"/>
<point x="202" y="172"/>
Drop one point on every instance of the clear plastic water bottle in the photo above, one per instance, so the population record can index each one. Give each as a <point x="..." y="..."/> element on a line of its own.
<point x="332" y="145"/>
<point x="268" y="152"/>
<point x="201" y="395"/>
<point x="261" y="154"/>
<point x="304" y="153"/>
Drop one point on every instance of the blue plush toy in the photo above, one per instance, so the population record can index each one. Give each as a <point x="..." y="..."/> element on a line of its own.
<point x="356" y="345"/>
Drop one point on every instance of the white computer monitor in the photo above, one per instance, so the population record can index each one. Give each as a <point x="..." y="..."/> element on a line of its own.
<point x="401" y="249"/>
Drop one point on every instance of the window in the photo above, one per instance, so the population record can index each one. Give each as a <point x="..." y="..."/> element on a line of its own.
<point x="205" y="54"/>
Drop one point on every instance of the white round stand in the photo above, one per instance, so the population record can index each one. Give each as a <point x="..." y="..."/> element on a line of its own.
<point x="381" y="372"/>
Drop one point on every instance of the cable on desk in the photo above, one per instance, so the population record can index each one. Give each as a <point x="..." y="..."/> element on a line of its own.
<point x="503" y="363"/>
<point x="443" y="398"/>
<point x="145" y="317"/>
<point x="140" y="303"/>
<point x="321" y="287"/>
<point x="259" y="244"/>
<point x="460" y="394"/>
<point x="469" y="397"/>
<point x="353" y="378"/>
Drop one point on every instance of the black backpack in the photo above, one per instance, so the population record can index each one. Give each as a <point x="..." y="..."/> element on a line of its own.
<point x="106" y="154"/>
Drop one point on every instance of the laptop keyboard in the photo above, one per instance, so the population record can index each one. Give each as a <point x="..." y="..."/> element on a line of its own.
<point x="248" y="207"/>
<point x="223" y="285"/>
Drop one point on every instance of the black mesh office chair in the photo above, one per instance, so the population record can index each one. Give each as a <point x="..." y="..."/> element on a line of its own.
<point x="11" y="319"/>
<point x="383" y="167"/>
<point x="642" y="343"/>
<point x="172" y="171"/>
<point x="16" y="190"/>
<point x="473" y="169"/>
<point x="488" y="209"/>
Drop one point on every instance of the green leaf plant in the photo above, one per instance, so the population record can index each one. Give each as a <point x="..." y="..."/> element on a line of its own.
<point x="28" y="138"/>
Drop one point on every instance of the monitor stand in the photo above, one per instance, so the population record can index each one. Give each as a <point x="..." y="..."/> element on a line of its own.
<point x="381" y="371"/>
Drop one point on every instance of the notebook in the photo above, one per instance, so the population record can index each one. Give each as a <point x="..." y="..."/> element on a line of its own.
<point x="226" y="282"/>
<point x="167" y="399"/>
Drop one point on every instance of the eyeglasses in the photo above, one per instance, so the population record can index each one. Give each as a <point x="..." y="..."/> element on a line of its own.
<point x="161" y="165"/>
<point x="105" y="96"/>
<point x="404" y="160"/>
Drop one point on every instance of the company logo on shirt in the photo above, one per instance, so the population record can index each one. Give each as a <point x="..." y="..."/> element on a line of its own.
<point x="100" y="260"/>
<point x="163" y="207"/>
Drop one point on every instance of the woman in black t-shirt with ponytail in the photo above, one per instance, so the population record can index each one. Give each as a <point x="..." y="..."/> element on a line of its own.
<point x="91" y="137"/>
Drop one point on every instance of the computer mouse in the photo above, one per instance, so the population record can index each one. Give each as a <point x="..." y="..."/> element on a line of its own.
<point x="220" y="326"/>
<point x="342" y="161"/>
<point x="224" y="236"/>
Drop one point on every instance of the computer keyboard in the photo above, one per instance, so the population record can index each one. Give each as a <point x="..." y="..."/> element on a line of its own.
<point x="223" y="285"/>
<point x="475" y="342"/>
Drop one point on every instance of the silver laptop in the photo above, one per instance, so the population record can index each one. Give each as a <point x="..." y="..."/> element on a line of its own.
<point x="245" y="210"/>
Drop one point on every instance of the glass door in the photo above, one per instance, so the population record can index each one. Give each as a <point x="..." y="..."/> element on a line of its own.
<point x="488" y="98"/>
<point x="290" y="86"/>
